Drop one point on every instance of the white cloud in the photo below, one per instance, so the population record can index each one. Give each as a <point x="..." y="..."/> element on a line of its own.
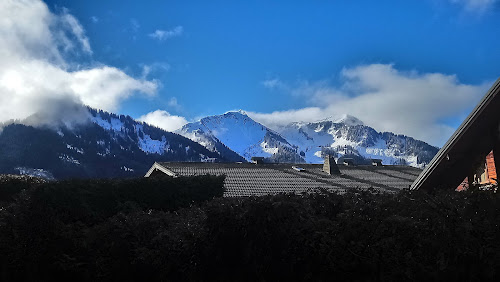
<point x="274" y="83"/>
<point x="166" y="34"/>
<point x="174" y="104"/>
<point x="94" y="19"/>
<point x="153" y="68"/>
<point x="408" y="103"/>
<point x="280" y="118"/>
<point x="164" y="120"/>
<point x="105" y="87"/>
<point x="76" y="29"/>
<point x="479" y="6"/>
<point x="35" y="73"/>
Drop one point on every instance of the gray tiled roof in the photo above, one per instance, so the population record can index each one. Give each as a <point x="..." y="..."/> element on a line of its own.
<point x="250" y="179"/>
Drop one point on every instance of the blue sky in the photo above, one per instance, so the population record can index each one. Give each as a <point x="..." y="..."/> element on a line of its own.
<point x="289" y="60"/>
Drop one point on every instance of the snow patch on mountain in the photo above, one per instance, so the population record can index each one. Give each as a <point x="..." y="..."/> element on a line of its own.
<point x="342" y="142"/>
<point x="266" y="148"/>
<point x="127" y="169"/>
<point x="36" y="172"/>
<point x="69" y="159"/>
<point x="113" y="124"/>
<point x="206" y="159"/>
<point x="388" y="155"/>
<point x="199" y="137"/>
<point x="149" y="145"/>
<point x="78" y="150"/>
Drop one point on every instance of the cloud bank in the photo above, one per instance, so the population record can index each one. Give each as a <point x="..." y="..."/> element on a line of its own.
<point x="163" y="120"/>
<point x="38" y="78"/>
<point x="410" y="103"/>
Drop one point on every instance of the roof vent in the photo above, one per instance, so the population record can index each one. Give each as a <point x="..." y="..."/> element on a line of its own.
<point x="330" y="166"/>
<point x="298" y="168"/>
<point x="348" y="161"/>
<point x="376" y="162"/>
<point x="257" y="160"/>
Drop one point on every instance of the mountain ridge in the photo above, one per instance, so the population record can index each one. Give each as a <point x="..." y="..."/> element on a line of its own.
<point x="110" y="145"/>
<point x="342" y="136"/>
<point x="106" y="146"/>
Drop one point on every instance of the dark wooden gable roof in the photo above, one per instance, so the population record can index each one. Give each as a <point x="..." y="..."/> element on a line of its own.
<point x="250" y="179"/>
<point x="467" y="147"/>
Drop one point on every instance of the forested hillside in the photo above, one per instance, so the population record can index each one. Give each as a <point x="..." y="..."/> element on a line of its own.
<point x="107" y="145"/>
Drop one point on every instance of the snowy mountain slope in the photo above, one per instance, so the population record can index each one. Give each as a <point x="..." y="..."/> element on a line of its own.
<point x="342" y="136"/>
<point x="213" y="144"/>
<point x="107" y="145"/>
<point x="151" y="140"/>
<point x="242" y="135"/>
<point x="350" y="138"/>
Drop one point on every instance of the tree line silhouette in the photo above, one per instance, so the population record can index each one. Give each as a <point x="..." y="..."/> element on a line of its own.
<point x="173" y="229"/>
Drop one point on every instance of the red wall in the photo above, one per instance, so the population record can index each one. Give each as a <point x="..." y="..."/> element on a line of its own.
<point x="490" y="164"/>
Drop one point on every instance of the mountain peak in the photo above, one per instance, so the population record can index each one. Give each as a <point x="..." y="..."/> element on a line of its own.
<point x="238" y="115"/>
<point x="349" y="120"/>
<point x="344" y="119"/>
<point x="240" y="112"/>
<point x="243" y="135"/>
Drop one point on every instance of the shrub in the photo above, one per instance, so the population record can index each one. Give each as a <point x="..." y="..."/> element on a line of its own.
<point x="135" y="230"/>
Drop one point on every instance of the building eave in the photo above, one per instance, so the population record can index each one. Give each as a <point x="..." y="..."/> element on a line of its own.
<point x="466" y="143"/>
<point x="157" y="166"/>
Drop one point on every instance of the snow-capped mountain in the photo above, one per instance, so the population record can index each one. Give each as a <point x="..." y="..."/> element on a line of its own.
<point x="242" y="135"/>
<point x="344" y="119"/>
<point x="348" y="137"/>
<point x="107" y="145"/>
<point x="342" y="136"/>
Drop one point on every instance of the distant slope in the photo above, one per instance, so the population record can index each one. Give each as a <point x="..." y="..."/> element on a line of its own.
<point x="242" y="135"/>
<point x="213" y="144"/>
<point x="350" y="138"/>
<point x="107" y="146"/>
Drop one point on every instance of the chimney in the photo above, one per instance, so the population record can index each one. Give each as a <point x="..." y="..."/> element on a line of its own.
<point x="330" y="166"/>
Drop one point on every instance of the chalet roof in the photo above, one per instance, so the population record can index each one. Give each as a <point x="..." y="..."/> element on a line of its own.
<point x="244" y="179"/>
<point x="468" y="146"/>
